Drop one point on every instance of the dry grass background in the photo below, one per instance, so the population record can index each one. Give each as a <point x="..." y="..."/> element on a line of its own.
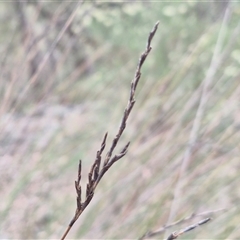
<point x="52" y="118"/>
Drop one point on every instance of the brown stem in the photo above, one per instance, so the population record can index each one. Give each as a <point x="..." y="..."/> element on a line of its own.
<point x="66" y="232"/>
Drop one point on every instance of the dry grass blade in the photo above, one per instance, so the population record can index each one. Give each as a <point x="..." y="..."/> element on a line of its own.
<point x="161" y="230"/>
<point x="175" y="235"/>
<point x="97" y="171"/>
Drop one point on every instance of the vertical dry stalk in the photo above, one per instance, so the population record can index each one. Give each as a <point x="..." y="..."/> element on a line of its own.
<point x="99" y="167"/>
<point x="215" y="63"/>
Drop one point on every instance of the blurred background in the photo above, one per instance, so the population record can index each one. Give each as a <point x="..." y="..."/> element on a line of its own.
<point x="65" y="74"/>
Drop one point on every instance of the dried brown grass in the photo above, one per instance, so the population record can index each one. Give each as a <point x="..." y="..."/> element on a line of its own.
<point x="99" y="168"/>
